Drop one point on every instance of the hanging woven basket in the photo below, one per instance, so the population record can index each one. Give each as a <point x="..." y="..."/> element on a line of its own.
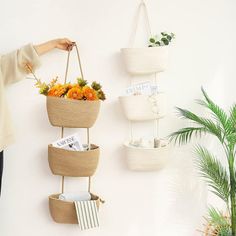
<point x="143" y="107"/>
<point x="145" y="60"/>
<point x="72" y="113"/>
<point x="73" y="163"/>
<point x="64" y="212"/>
<point x="146" y="159"/>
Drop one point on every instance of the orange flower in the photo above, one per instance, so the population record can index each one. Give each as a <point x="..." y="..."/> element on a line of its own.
<point x="75" y="93"/>
<point x="68" y="86"/>
<point x="57" y="90"/>
<point x="89" y="93"/>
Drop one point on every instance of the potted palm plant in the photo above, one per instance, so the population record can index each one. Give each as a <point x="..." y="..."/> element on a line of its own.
<point x="221" y="179"/>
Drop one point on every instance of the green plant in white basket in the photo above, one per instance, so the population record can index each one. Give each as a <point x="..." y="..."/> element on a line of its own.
<point x="163" y="39"/>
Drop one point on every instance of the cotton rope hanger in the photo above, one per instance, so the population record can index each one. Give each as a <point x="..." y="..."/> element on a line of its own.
<point x="62" y="128"/>
<point x="143" y="6"/>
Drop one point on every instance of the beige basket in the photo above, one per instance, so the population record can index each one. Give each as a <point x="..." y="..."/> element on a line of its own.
<point x="64" y="211"/>
<point x="143" y="107"/>
<point x="139" y="61"/>
<point x="73" y="163"/>
<point x="72" y="113"/>
<point x="146" y="159"/>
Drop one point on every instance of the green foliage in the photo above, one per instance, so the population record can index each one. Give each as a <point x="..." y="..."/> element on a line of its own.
<point x="184" y="135"/>
<point x="219" y="221"/>
<point x="206" y="125"/>
<point x="101" y="95"/>
<point x="82" y="82"/>
<point x="161" y="40"/>
<point x="214" y="173"/>
<point x="96" y="86"/>
<point x="222" y="180"/>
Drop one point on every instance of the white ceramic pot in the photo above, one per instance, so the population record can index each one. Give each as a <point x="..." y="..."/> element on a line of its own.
<point x="145" y="60"/>
<point x="144" y="107"/>
<point x="146" y="159"/>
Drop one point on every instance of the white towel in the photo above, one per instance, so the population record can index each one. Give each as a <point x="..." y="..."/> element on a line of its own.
<point x="87" y="214"/>
<point x="80" y="196"/>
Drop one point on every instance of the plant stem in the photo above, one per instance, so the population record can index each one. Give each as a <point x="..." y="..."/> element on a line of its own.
<point x="31" y="71"/>
<point x="232" y="192"/>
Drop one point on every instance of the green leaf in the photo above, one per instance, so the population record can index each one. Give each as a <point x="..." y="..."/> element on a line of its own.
<point x="169" y="37"/>
<point x="216" y="217"/>
<point x="165" y="41"/>
<point x="184" y="135"/>
<point x="218" y="113"/>
<point x="219" y="222"/>
<point x="214" y="173"/>
<point x="152" y="40"/>
<point x="209" y="125"/>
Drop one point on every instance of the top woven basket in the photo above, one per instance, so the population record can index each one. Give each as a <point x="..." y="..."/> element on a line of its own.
<point x="70" y="113"/>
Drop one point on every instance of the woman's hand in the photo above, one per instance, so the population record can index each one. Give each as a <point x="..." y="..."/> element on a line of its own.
<point x="62" y="43"/>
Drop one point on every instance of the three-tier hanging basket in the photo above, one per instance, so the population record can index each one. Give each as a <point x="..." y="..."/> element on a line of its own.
<point x="73" y="163"/>
<point x="64" y="212"/>
<point x="70" y="113"/>
<point x="143" y="107"/>
<point x="146" y="159"/>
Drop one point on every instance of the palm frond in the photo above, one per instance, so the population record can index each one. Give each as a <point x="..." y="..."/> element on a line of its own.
<point x="214" y="173"/>
<point x="219" y="114"/>
<point x="184" y="135"/>
<point x="210" y="126"/>
<point x="232" y="118"/>
<point x="232" y="115"/>
<point x="217" y="218"/>
<point x="219" y="222"/>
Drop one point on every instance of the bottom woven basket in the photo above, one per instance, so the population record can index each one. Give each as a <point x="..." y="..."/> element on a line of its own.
<point x="146" y="159"/>
<point x="64" y="211"/>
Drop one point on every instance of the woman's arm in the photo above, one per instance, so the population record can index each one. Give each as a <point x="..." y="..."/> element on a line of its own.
<point x="13" y="65"/>
<point x="63" y="44"/>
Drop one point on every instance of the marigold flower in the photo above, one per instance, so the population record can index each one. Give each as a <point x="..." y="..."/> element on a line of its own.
<point x="75" y="93"/>
<point x="89" y="93"/>
<point x="57" y="90"/>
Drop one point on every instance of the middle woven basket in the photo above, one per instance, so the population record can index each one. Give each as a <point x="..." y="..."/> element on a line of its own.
<point x="73" y="163"/>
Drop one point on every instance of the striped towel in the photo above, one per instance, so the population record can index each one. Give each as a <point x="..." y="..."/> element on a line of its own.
<point x="87" y="214"/>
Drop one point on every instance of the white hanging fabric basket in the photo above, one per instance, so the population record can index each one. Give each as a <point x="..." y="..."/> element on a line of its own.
<point x="144" y="107"/>
<point x="146" y="159"/>
<point x="147" y="60"/>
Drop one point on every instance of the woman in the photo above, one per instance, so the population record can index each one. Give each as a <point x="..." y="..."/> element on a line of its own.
<point x="13" y="69"/>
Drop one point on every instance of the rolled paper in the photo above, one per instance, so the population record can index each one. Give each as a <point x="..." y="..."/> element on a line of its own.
<point x="80" y="196"/>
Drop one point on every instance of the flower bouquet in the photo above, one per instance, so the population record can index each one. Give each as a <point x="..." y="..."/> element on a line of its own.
<point x="72" y="105"/>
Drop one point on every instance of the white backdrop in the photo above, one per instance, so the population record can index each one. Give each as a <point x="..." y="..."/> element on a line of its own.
<point x="169" y="202"/>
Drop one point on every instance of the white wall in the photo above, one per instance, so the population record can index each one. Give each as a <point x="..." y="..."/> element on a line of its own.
<point x="170" y="202"/>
